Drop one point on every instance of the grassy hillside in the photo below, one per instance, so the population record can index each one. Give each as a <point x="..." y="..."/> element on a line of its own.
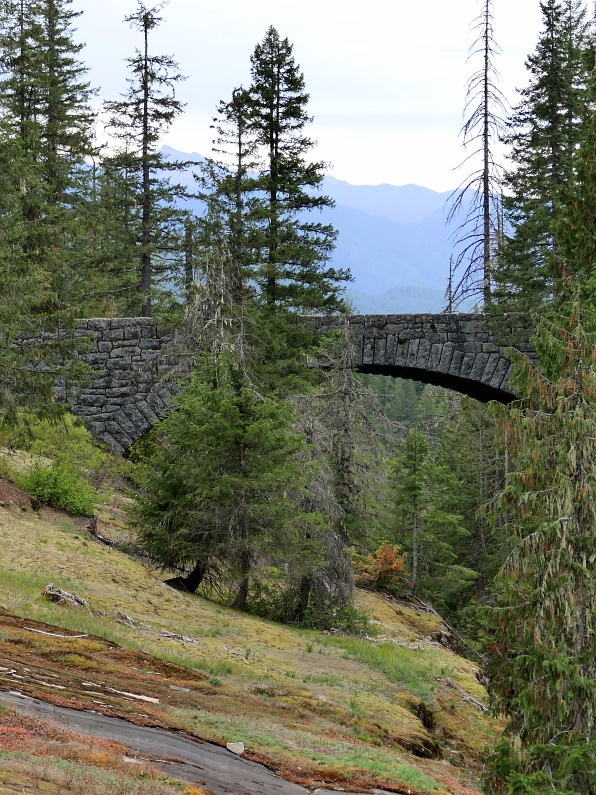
<point x="396" y="712"/>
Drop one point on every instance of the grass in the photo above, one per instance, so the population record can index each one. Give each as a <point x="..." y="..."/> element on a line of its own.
<point x="298" y="697"/>
<point x="75" y="778"/>
<point x="409" y="669"/>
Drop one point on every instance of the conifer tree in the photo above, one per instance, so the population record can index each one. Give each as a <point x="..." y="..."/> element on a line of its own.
<point x="228" y="182"/>
<point x="45" y="135"/>
<point x="544" y="132"/>
<point x="293" y="249"/>
<point x="543" y="670"/>
<point x="218" y="488"/>
<point x="424" y="525"/>
<point x="138" y="121"/>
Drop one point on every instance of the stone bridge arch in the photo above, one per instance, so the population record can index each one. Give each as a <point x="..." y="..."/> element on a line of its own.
<point x="132" y="359"/>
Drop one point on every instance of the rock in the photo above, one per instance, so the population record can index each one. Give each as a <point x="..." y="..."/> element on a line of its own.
<point x="236" y="748"/>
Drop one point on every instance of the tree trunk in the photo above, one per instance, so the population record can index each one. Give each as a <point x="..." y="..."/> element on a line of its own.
<point x="146" y="207"/>
<point x="191" y="582"/>
<point x="303" y="598"/>
<point x="415" y="541"/>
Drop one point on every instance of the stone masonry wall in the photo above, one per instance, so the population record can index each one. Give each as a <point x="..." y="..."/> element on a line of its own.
<point x="129" y="395"/>
<point x="133" y="361"/>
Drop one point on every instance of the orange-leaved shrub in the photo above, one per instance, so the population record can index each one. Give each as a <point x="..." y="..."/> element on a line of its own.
<point x="383" y="570"/>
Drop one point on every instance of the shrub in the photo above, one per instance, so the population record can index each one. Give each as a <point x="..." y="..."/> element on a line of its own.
<point x="61" y="487"/>
<point x="384" y="570"/>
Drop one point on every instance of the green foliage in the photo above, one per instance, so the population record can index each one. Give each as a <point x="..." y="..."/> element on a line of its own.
<point x="60" y="486"/>
<point x="137" y="176"/>
<point x="424" y="524"/>
<point x="543" y="666"/>
<point x="545" y="130"/>
<point x="67" y="439"/>
<point x="225" y="480"/>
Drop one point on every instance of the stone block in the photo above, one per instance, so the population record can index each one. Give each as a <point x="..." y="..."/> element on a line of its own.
<point x="412" y="353"/>
<point x="139" y="420"/>
<point x="368" y="351"/>
<point x="91" y="401"/>
<point x="423" y="354"/>
<point x="98" y="323"/>
<point x="119" y="434"/>
<point x="456" y="363"/>
<point x="119" y="392"/>
<point x="143" y="407"/>
<point x="467" y="364"/>
<point x="114" y="334"/>
<point x="457" y="337"/>
<point x="95" y="360"/>
<point x="500" y="372"/>
<point x="436" y="352"/>
<point x="446" y="356"/>
<point x="150" y="344"/>
<point x="122" y="322"/>
<point x="121" y="353"/>
<point x="133" y="332"/>
<point x="114" y="446"/>
<point x="401" y="352"/>
<point x="390" y="349"/>
<point x="96" y="428"/>
<point x="505" y="381"/>
<point x="491" y="366"/>
<point x="479" y="365"/>
<point x="104" y="347"/>
<point x="127" y="425"/>
<point x="380" y="346"/>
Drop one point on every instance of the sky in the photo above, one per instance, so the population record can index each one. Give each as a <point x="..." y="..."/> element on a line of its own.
<point x="386" y="78"/>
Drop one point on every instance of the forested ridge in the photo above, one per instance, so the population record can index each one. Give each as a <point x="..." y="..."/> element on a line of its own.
<point x="277" y="488"/>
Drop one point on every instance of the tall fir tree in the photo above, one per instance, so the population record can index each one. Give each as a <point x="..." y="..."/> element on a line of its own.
<point x="544" y="131"/>
<point x="425" y="526"/>
<point x="294" y="251"/>
<point x="45" y="135"/>
<point x="228" y="182"/>
<point x="138" y="121"/>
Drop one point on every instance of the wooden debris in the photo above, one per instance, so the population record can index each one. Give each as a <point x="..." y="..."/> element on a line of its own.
<point x="122" y="618"/>
<point x="91" y="528"/>
<point x="165" y="633"/>
<point x="54" y="634"/>
<point x="63" y="597"/>
<point x="243" y="657"/>
<point x="466" y="696"/>
<point x="148" y="699"/>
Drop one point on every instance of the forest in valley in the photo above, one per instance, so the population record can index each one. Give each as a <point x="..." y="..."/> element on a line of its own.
<point x="276" y="487"/>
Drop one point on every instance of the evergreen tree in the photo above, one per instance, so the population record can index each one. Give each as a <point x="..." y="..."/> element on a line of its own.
<point x="575" y="226"/>
<point x="424" y="526"/>
<point x="293" y="250"/>
<point x="469" y="448"/>
<point x="138" y="121"/>
<point x="45" y="134"/>
<point x="544" y="661"/>
<point x="228" y="182"/>
<point x="544" y="132"/>
<point x="218" y="488"/>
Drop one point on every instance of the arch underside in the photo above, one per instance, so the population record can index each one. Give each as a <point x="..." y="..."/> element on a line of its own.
<point x="465" y="386"/>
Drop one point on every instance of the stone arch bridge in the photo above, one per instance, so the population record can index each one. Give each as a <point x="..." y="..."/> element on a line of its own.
<point x="133" y="360"/>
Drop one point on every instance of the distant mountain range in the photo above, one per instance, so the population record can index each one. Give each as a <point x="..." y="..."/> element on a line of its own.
<point x="394" y="239"/>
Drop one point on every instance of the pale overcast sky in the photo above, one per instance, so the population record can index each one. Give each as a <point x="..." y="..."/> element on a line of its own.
<point x="386" y="77"/>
